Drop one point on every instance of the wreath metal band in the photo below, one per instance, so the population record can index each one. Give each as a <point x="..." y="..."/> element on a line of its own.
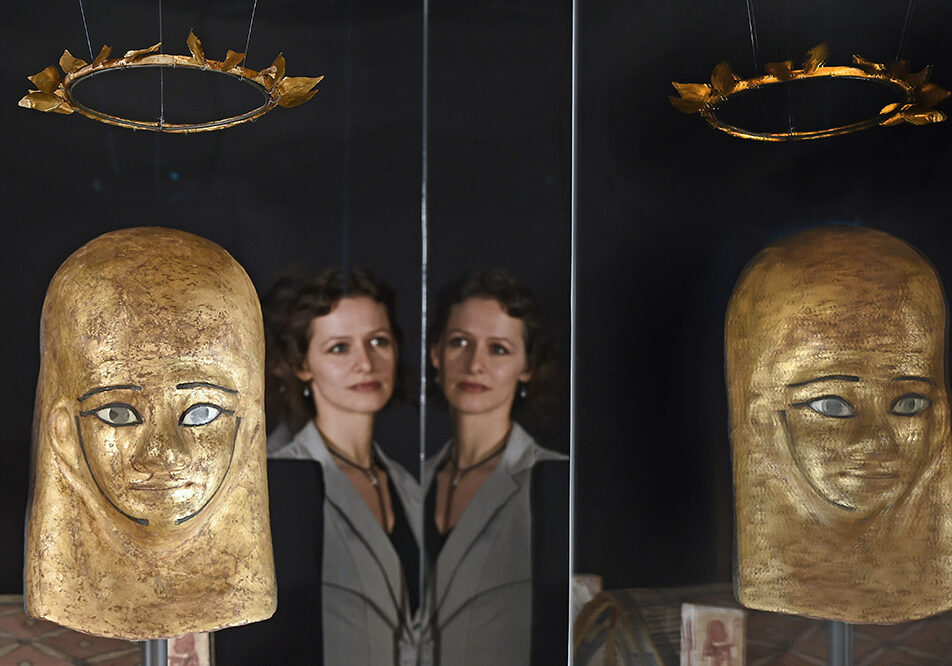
<point x="917" y="106"/>
<point x="54" y="93"/>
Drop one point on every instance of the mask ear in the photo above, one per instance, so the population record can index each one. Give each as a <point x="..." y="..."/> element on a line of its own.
<point x="64" y="437"/>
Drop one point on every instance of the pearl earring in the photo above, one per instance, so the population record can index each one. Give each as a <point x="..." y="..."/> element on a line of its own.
<point x="306" y="391"/>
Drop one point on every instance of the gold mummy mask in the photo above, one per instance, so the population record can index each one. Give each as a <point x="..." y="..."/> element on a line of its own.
<point x="836" y="375"/>
<point x="148" y="514"/>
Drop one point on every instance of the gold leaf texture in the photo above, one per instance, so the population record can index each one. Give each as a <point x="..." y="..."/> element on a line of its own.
<point x="279" y="65"/>
<point x="45" y="102"/>
<point x="132" y="56"/>
<point x="917" y="115"/>
<point x="232" y="58"/>
<point x="694" y="92"/>
<point x="48" y="80"/>
<point x="70" y="63"/>
<point x="266" y="77"/>
<point x="104" y="54"/>
<point x="295" y="90"/>
<point x="816" y="57"/>
<point x="930" y="95"/>
<point x="782" y="70"/>
<point x="920" y="78"/>
<point x="869" y="66"/>
<point x="195" y="47"/>
<point x="723" y="79"/>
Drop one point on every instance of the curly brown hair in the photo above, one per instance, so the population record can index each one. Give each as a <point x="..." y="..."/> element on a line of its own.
<point x="289" y="326"/>
<point x="519" y="302"/>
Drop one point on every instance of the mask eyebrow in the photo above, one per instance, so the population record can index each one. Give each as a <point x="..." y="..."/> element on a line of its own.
<point x="912" y="378"/>
<point x="103" y="389"/>
<point x="190" y="385"/>
<point x="826" y="378"/>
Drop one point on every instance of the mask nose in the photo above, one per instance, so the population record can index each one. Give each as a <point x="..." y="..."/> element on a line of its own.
<point x="875" y="442"/>
<point x="163" y="450"/>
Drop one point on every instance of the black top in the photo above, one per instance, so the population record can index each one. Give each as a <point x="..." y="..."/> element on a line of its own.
<point x="408" y="550"/>
<point x="433" y="541"/>
<point x="294" y="635"/>
<point x="549" y="505"/>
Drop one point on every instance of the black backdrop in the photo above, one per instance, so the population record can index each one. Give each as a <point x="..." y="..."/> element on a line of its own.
<point x="669" y="211"/>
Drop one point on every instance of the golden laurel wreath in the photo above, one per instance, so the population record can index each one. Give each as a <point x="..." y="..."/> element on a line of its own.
<point x="54" y="89"/>
<point x="919" y="97"/>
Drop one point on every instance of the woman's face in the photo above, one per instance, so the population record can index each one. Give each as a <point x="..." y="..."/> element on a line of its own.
<point x="351" y="358"/>
<point x="481" y="357"/>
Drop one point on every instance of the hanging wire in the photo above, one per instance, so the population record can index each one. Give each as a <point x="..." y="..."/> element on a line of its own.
<point x="752" y="26"/>
<point x="158" y="136"/>
<point x="110" y="140"/>
<point x="250" y="26"/>
<point x="161" y="75"/>
<point x="89" y="44"/>
<point x="786" y="11"/>
<point x="905" y="29"/>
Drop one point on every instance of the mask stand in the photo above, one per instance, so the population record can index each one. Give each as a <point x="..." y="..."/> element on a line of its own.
<point x="841" y="644"/>
<point x="155" y="652"/>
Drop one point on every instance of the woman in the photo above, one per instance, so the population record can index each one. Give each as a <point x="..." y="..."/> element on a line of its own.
<point x="344" y="518"/>
<point x="496" y="511"/>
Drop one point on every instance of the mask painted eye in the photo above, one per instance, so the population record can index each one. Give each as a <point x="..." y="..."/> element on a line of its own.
<point x="910" y="405"/>
<point x="117" y="415"/>
<point x="201" y="414"/>
<point x="831" y="405"/>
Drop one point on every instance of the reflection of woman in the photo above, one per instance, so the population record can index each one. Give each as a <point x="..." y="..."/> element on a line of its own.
<point x="496" y="502"/>
<point x="350" y="567"/>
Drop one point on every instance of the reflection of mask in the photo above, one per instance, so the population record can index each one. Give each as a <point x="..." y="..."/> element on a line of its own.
<point x="839" y="415"/>
<point x="148" y="514"/>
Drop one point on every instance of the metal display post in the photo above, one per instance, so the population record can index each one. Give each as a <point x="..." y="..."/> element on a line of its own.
<point x="155" y="652"/>
<point x="841" y="644"/>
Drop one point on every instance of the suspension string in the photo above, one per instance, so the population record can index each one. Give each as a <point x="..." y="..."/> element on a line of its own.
<point x="89" y="44"/>
<point x="905" y="29"/>
<point x="787" y="50"/>
<point x="110" y="140"/>
<point x="251" y="24"/>
<point x="752" y="25"/>
<point x="161" y="75"/>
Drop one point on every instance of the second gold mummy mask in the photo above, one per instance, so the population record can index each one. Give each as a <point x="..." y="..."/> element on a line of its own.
<point x="148" y="515"/>
<point x="835" y="346"/>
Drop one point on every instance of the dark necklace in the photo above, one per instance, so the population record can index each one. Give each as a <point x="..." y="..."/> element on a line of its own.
<point x="370" y="472"/>
<point x="463" y="471"/>
<point x="460" y="472"/>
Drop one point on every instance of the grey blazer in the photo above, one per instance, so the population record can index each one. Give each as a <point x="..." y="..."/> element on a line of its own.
<point x="366" y="614"/>
<point x="477" y="608"/>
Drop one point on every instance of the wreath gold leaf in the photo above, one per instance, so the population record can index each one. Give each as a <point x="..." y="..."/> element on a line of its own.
<point x="917" y="107"/>
<point x="52" y="92"/>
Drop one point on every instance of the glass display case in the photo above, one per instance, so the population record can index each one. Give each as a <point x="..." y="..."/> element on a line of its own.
<point x="446" y="138"/>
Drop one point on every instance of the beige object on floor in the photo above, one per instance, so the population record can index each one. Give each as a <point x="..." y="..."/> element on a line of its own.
<point x="148" y="513"/>
<point x="836" y="374"/>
